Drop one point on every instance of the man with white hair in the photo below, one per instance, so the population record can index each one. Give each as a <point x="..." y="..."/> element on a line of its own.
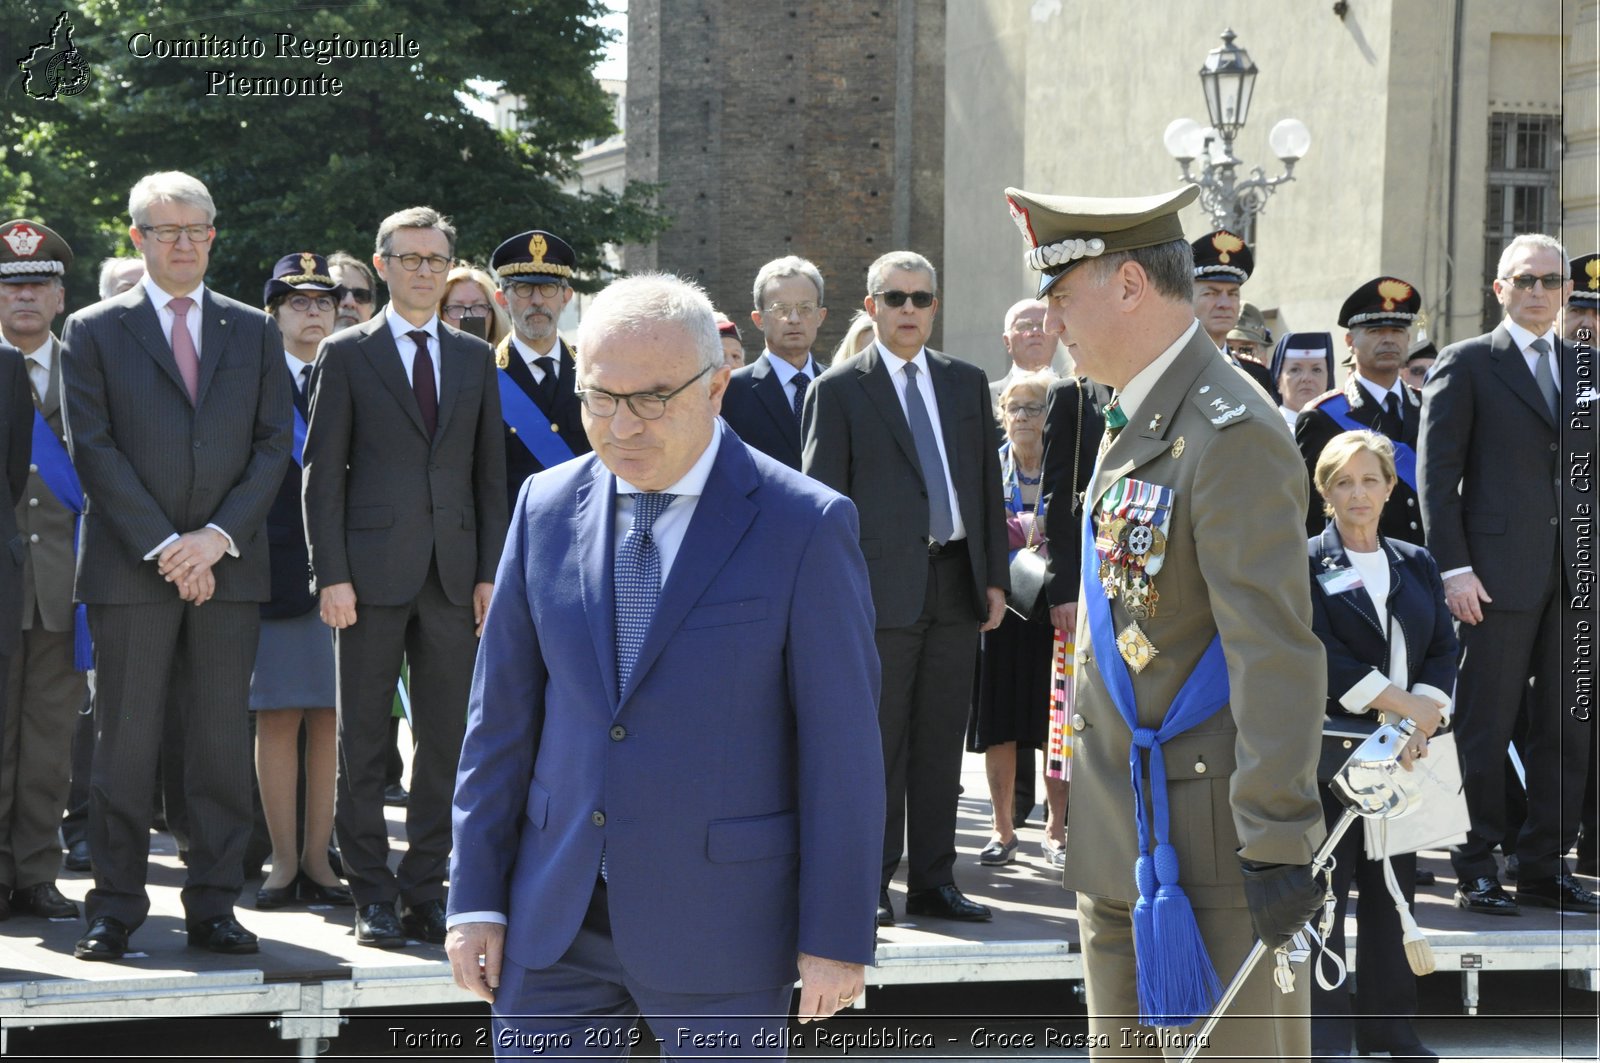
<point x="117" y="275"/>
<point x="1495" y="411"/>
<point x="1028" y="346"/>
<point x="637" y="832"/>
<point x="178" y="418"/>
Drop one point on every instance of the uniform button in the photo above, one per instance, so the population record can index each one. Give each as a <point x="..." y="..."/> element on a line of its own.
<point x="1554" y="520"/>
<point x="34" y="537"/>
<point x="1411" y="502"/>
<point x="33" y="468"/>
<point x="555" y="428"/>
<point x="1082" y="655"/>
<point x="1348" y="743"/>
<point x="33" y="502"/>
<point x="1199" y="767"/>
<point x="1413" y="525"/>
<point x="513" y="430"/>
<point x="618" y="733"/>
<point x="197" y="444"/>
<point x="1554" y="447"/>
<point x="597" y="818"/>
<point x="1077" y="721"/>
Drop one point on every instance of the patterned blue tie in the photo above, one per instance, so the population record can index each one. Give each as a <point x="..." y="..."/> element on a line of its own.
<point x="940" y="524"/>
<point x="638" y="578"/>
<point x="801" y="382"/>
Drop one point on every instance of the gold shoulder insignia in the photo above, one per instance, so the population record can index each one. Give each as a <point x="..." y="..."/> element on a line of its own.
<point x="502" y="354"/>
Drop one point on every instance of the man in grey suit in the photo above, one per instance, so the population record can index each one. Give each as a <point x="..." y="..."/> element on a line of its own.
<point x="909" y="435"/>
<point x="405" y="507"/>
<point x="178" y="419"/>
<point x="45" y="693"/>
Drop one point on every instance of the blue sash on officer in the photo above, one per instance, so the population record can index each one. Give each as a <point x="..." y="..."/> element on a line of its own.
<point x="1405" y="458"/>
<point x="1176" y="979"/>
<point x="55" y="469"/>
<point x="299" y="450"/>
<point x="531" y="425"/>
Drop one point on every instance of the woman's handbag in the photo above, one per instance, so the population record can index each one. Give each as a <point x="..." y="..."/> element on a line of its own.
<point x="1029" y="572"/>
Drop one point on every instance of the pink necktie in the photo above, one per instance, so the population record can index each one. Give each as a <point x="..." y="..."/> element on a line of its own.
<point x="183" y="351"/>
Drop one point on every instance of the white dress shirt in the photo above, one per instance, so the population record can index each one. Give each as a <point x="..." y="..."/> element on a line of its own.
<point x="295" y="366"/>
<point x="897" y="373"/>
<point x="786" y="373"/>
<point x="530" y="356"/>
<point x="399" y="328"/>
<point x="1379" y="395"/>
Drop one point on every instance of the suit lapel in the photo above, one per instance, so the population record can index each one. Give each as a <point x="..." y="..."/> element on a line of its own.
<point x="1512" y="369"/>
<point x="592" y="532"/>
<point x="720" y="520"/>
<point x="141" y="320"/>
<point x="452" y="366"/>
<point x="215" y="325"/>
<point x="769" y="389"/>
<point x="379" y="347"/>
<point x="880" y="389"/>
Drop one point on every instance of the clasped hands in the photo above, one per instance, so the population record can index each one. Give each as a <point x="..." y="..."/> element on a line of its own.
<point x="187" y="562"/>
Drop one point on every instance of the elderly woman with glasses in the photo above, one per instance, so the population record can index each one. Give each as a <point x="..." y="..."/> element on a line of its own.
<point x="469" y="296"/>
<point x="1011" y="704"/>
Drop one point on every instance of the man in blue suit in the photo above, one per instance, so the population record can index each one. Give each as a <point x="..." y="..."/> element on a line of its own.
<point x="646" y="823"/>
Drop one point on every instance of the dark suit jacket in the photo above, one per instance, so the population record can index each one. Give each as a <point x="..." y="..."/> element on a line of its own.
<point x="1486" y="430"/>
<point x="152" y="464"/>
<point x="733" y="840"/>
<point x="16" y="435"/>
<point x="1401" y="518"/>
<point x="1065" y="439"/>
<point x="1347" y="624"/>
<point x="286" y="541"/>
<point x="757" y="407"/>
<point x="857" y="442"/>
<point x="566" y="414"/>
<point x="46" y="527"/>
<point x="381" y="499"/>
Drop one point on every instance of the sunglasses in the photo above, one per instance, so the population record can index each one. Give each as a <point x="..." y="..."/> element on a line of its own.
<point x="360" y="295"/>
<point x="897" y="299"/>
<point x="1524" y="282"/>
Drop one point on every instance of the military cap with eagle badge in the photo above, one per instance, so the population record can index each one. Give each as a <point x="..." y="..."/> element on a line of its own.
<point x="1381" y="302"/>
<point x="30" y="253"/>
<point x="1585" y="281"/>
<point x="1222" y="256"/>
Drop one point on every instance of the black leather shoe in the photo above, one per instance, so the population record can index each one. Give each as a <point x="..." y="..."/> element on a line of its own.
<point x="312" y="892"/>
<point x="1426" y="878"/>
<point x="1561" y="892"/>
<point x="425" y="922"/>
<point x="946" y="902"/>
<point x="378" y="926"/>
<point x="1513" y="868"/>
<point x="1485" y="896"/>
<point x="222" y="933"/>
<point x="885" y="909"/>
<point x="269" y="898"/>
<point x="77" y="858"/>
<point x="107" y="939"/>
<point x="395" y="794"/>
<point x="43" y="900"/>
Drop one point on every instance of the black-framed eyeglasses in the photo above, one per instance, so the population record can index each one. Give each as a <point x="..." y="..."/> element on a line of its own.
<point x="459" y="310"/>
<point x="646" y="405"/>
<point x="360" y="295"/>
<point x="302" y="303"/>
<point x="525" y="289"/>
<point x="413" y="262"/>
<point x="896" y="298"/>
<point x="168" y="234"/>
<point x="1524" y="282"/>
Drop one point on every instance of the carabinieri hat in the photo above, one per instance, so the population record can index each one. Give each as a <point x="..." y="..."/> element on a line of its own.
<point x="1223" y="256"/>
<point x="1585" y="281"/>
<point x="1382" y="301"/>
<point x="534" y="256"/>
<point x="30" y="253"/>
<point x="299" y="272"/>
<point x="1062" y="231"/>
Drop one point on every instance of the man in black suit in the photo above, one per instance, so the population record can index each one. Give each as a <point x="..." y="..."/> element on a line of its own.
<point x="405" y="507"/>
<point x="178" y="419"/>
<point x="543" y="419"/>
<point x="765" y="398"/>
<point x="909" y="434"/>
<point x="1492" y="413"/>
<point x="1378" y="317"/>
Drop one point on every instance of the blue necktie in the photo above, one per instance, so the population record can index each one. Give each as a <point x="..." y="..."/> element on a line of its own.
<point x="801" y="382"/>
<point x="1545" y="377"/>
<point x="638" y="581"/>
<point x="940" y="524"/>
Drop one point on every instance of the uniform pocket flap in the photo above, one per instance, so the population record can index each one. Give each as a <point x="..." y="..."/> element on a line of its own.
<point x="1204" y="756"/>
<point x="730" y="841"/>
<point x="719" y="613"/>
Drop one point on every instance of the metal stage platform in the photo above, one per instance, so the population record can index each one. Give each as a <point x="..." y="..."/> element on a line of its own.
<point x="310" y="970"/>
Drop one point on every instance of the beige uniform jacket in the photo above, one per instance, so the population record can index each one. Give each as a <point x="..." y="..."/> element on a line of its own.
<point x="1234" y="564"/>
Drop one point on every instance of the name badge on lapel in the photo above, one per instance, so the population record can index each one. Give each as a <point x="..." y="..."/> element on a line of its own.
<point x="1339" y="580"/>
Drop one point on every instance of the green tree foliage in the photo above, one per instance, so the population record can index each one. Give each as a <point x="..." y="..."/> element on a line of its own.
<point x="309" y="171"/>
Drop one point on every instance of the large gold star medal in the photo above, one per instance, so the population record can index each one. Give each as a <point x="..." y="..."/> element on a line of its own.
<point x="1131" y="545"/>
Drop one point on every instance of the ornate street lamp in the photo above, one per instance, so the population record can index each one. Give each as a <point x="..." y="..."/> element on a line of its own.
<point x="1228" y="79"/>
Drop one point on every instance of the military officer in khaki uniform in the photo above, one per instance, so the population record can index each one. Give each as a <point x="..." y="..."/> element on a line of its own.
<point x="1195" y="622"/>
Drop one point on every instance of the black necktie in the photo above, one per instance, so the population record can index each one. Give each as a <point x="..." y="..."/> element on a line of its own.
<point x="1391" y="406"/>
<point x="422" y="384"/>
<point x="305" y="380"/>
<point x="801" y="382"/>
<point x="546" y="388"/>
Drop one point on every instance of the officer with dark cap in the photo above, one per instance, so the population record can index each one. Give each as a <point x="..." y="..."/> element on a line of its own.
<point x="1419" y="359"/>
<point x="1377" y="318"/>
<point x="46" y="692"/>
<point x="1196" y="661"/>
<point x="538" y="401"/>
<point x="1580" y="319"/>
<point x="1222" y="263"/>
